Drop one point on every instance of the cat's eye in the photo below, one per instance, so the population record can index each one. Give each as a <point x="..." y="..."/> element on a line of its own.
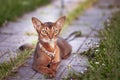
<point x="56" y="31"/>
<point x="44" y="32"/>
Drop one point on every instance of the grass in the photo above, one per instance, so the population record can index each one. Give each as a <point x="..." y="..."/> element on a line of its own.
<point x="7" y="68"/>
<point x="11" y="9"/>
<point x="77" y="11"/>
<point x="74" y="14"/>
<point x="10" y="67"/>
<point x="30" y="33"/>
<point x="104" y="60"/>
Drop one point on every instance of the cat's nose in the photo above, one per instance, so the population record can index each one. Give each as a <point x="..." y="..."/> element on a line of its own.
<point x="51" y="36"/>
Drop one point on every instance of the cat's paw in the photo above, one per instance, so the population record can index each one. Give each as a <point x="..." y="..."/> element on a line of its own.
<point x="52" y="74"/>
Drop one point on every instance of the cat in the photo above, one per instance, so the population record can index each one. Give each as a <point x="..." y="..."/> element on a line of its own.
<point x="50" y="48"/>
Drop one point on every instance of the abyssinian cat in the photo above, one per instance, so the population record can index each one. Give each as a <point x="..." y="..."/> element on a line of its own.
<point x="50" y="48"/>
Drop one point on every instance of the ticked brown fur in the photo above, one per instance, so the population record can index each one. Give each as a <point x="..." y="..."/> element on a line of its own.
<point x="48" y="37"/>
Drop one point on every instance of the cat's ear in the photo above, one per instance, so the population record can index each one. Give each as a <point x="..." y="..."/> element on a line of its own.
<point x="60" y="22"/>
<point x="36" y="23"/>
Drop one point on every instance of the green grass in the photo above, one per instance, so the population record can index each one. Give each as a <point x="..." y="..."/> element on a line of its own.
<point x="7" y="68"/>
<point x="11" y="67"/>
<point x="77" y="11"/>
<point x="11" y="9"/>
<point x="104" y="60"/>
<point x="31" y="33"/>
<point x="74" y="14"/>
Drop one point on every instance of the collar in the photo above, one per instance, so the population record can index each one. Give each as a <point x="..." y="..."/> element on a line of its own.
<point x="50" y="54"/>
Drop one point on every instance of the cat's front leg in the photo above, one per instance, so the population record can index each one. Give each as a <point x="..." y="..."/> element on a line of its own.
<point x="54" y="66"/>
<point x="44" y="70"/>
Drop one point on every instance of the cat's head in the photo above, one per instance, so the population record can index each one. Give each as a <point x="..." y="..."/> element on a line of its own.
<point x="48" y="31"/>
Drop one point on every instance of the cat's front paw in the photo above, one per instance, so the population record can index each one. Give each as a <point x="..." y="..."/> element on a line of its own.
<point x="52" y="74"/>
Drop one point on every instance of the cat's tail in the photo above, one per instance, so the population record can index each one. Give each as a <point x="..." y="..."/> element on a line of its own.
<point x="73" y="35"/>
<point x="27" y="46"/>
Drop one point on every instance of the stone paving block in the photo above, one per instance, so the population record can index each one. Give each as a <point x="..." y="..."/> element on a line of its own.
<point x="78" y="64"/>
<point x="105" y="3"/>
<point x="91" y="42"/>
<point x="9" y="45"/>
<point x="99" y="26"/>
<point x="85" y="30"/>
<point x="7" y="49"/>
<point x="93" y="12"/>
<point x="94" y="33"/>
<point x="38" y="76"/>
<point x="3" y="37"/>
<point x="78" y="69"/>
<point x="14" y="42"/>
<point x="4" y="46"/>
<point x="21" y="39"/>
<point x="76" y="43"/>
<point x="79" y="60"/>
<point x="80" y="22"/>
<point x="17" y="28"/>
<point x="7" y="30"/>
<point x="63" y="64"/>
<point x="82" y="50"/>
<point x="7" y="55"/>
<point x="15" y="78"/>
<point x="25" y="72"/>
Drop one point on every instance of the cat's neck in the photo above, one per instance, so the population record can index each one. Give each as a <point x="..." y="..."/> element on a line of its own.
<point x="49" y="46"/>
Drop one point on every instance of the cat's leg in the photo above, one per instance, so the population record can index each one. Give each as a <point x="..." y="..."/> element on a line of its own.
<point x="44" y="70"/>
<point x="65" y="48"/>
<point x="66" y="56"/>
<point x="54" y="66"/>
<point x="67" y="52"/>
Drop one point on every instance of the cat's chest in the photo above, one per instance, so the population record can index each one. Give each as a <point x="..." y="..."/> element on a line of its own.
<point x="57" y="55"/>
<point x="46" y="56"/>
<point x="50" y="46"/>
